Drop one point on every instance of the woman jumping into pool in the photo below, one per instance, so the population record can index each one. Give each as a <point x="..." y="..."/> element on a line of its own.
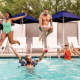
<point x="28" y="60"/>
<point x="7" y="31"/>
<point x="67" y="52"/>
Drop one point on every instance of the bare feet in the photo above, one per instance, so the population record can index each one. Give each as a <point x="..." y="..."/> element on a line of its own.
<point x="18" y="42"/>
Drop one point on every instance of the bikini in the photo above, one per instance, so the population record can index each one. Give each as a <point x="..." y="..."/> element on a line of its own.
<point x="6" y="26"/>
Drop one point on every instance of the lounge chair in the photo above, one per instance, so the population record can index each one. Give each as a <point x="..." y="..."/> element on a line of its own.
<point x="74" y="41"/>
<point x="36" y="43"/>
<point x="52" y="44"/>
<point x="23" y="46"/>
<point x="3" y="47"/>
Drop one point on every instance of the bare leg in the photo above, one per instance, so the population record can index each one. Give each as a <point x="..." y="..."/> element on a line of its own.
<point x="51" y="29"/>
<point x="10" y="37"/>
<point x="41" y="35"/>
<point x="45" y="36"/>
<point x="3" y="36"/>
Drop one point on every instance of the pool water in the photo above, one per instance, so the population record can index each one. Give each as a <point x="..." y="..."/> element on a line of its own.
<point x="47" y="69"/>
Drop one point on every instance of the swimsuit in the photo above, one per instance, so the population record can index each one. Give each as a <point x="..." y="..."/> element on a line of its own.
<point x="23" y="63"/>
<point x="6" y="26"/>
<point x="67" y="54"/>
<point x="41" y="28"/>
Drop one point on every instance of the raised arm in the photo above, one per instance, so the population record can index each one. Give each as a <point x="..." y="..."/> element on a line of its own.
<point x="19" y="57"/>
<point x="42" y="55"/>
<point x="60" y="52"/>
<point x="40" y="21"/>
<point x="75" y="50"/>
<point x="14" y="19"/>
<point x="1" y="15"/>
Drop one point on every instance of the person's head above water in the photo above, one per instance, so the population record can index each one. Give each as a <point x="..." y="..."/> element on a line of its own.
<point x="46" y="11"/>
<point x="8" y="15"/>
<point x="66" y="45"/>
<point x="28" y="59"/>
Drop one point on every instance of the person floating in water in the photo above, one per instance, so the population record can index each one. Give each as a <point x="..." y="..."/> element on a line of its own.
<point x="7" y="31"/>
<point x="67" y="52"/>
<point x="28" y="60"/>
<point x="44" y="20"/>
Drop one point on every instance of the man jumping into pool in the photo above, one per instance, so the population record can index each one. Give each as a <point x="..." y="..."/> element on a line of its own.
<point x="44" y="20"/>
<point x="67" y="52"/>
<point x="28" y="60"/>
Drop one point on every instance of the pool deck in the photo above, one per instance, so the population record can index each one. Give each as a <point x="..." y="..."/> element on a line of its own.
<point x="35" y="55"/>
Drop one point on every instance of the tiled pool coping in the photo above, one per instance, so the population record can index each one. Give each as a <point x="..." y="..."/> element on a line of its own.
<point x="54" y="55"/>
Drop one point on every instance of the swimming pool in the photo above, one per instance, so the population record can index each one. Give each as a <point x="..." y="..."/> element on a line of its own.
<point x="47" y="69"/>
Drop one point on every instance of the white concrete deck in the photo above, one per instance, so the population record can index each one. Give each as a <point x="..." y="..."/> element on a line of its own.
<point x="34" y="55"/>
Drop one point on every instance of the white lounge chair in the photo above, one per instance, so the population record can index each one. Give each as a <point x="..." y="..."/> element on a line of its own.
<point x="23" y="46"/>
<point x="52" y="44"/>
<point x="3" y="47"/>
<point x="74" y="41"/>
<point x="36" y="43"/>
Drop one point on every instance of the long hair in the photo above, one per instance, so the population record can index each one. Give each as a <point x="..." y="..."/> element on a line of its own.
<point x="10" y="16"/>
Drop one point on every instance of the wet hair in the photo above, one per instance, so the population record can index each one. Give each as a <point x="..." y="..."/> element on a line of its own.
<point x="26" y="57"/>
<point x="10" y="16"/>
<point x="46" y="9"/>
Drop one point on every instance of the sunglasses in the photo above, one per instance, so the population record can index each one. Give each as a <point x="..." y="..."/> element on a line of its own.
<point x="65" y="45"/>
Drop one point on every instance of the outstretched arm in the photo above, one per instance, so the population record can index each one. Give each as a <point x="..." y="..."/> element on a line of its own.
<point x="14" y="19"/>
<point x="19" y="57"/>
<point x="1" y="15"/>
<point x="75" y="50"/>
<point x="41" y="56"/>
<point x="60" y="52"/>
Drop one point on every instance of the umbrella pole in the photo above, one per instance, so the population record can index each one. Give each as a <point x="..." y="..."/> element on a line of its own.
<point x="22" y="24"/>
<point x="63" y="31"/>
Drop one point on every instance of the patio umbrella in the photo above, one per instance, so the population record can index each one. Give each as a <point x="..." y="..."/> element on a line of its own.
<point x="64" y="17"/>
<point x="25" y="20"/>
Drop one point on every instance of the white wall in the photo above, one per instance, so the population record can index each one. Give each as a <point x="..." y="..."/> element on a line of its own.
<point x="54" y="35"/>
<point x="79" y="32"/>
<point x="18" y="30"/>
